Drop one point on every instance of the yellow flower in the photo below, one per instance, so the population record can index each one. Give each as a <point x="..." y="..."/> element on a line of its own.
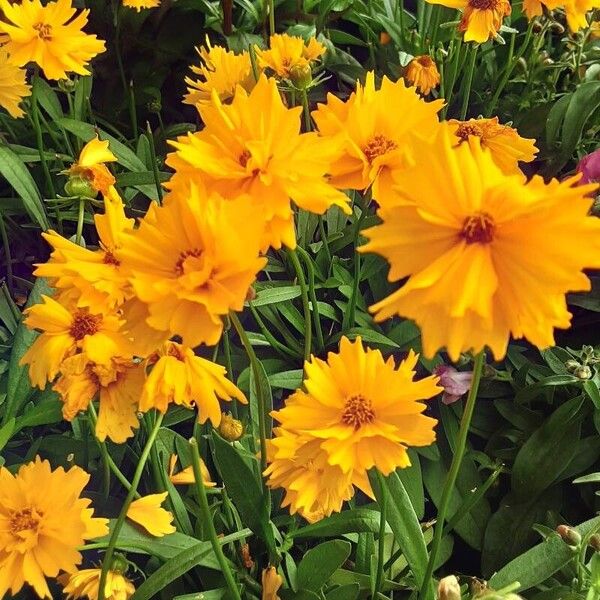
<point x="147" y="512"/>
<point x="43" y="521"/>
<point x="366" y="410"/>
<point x="481" y="19"/>
<point x="230" y="429"/>
<point x="313" y="488"/>
<point x="91" y="167"/>
<point x="486" y="254"/>
<point x="66" y="330"/>
<point x="576" y="12"/>
<point x="119" y="385"/>
<point x="271" y="582"/>
<point x="86" y="583"/>
<point x="504" y="142"/>
<point x="595" y="30"/>
<point x="376" y="142"/>
<point x="139" y="4"/>
<point x="423" y="73"/>
<point x="179" y="376"/>
<point x="220" y="70"/>
<point x="192" y="261"/>
<point x="186" y="476"/>
<point x="97" y="275"/>
<point x="253" y="147"/>
<point x="49" y="36"/>
<point x="288" y="52"/>
<point x="13" y="86"/>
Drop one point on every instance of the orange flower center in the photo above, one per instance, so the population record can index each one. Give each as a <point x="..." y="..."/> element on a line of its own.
<point x="84" y="324"/>
<point x="23" y="520"/>
<point x="244" y="157"/>
<point x="478" y="229"/>
<point x="378" y="146"/>
<point x="466" y="129"/>
<point x="44" y="31"/>
<point x="484" y="4"/>
<point x="175" y="352"/>
<point x="425" y="61"/>
<point x="357" y="412"/>
<point x="183" y="256"/>
<point x="110" y="259"/>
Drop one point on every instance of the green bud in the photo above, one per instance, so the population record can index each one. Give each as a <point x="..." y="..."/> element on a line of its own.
<point x="569" y="535"/>
<point x="572" y="365"/>
<point x="119" y="564"/>
<point x="66" y="85"/>
<point x="301" y="76"/>
<point x="583" y="372"/>
<point x="80" y="187"/>
<point x="594" y="542"/>
<point x="154" y="106"/>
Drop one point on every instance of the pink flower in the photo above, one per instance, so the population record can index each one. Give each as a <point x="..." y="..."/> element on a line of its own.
<point x="455" y="383"/>
<point x="590" y="167"/>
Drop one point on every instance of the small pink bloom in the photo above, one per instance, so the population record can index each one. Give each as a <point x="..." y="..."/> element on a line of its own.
<point x="590" y="167"/>
<point x="455" y="383"/>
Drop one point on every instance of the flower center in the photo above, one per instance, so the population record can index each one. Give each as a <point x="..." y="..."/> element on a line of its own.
<point x="378" y="146"/>
<point x="478" y="229"/>
<point x="110" y="259"/>
<point x="466" y="129"/>
<point x="357" y="412"/>
<point x="244" y="157"/>
<point x="425" y="61"/>
<point x="179" y="267"/>
<point x="484" y="4"/>
<point x="44" y="31"/>
<point x="24" y="520"/>
<point x="84" y="324"/>
<point x="176" y="352"/>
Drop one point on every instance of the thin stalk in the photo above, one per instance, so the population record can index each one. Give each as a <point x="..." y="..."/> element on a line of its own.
<point x="154" y="163"/>
<point x="305" y="304"/>
<point x="137" y="476"/>
<point x="271" y="5"/>
<point x="313" y="297"/>
<point x="209" y="526"/>
<point x="461" y="445"/>
<point x="348" y="320"/>
<point x="80" y="216"/>
<point x="468" y="83"/>
<point x="7" y="254"/>
<point x="306" y="107"/>
<point x="324" y="238"/>
<point x="228" y="365"/>
<point x="452" y="72"/>
<point x="274" y="342"/>
<point x="381" y="539"/>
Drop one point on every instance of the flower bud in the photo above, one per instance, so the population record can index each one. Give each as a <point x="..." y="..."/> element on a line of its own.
<point x="536" y="27"/>
<point x="230" y="429"/>
<point x="572" y="365"/>
<point x="301" y="75"/>
<point x="449" y="588"/>
<point x="594" y="542"/>
<point x="557" y="28"/>
<point x="80" y="187"/>
<point x="119" y="564"/>
<point x="569" y="535"/>
<point x="384" y="38"/>
<point x="271" y="582"/>
<point x="154" y="106"/>
<point x="583" y="372"/>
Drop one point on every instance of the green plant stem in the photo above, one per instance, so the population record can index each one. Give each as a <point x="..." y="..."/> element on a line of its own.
<point x="137" y="476"/>
<point x="209" y="526"/>
<point x="313" y="297"/>
<point x="271" y="5"/>
<point x="80" y="216"/>
<point x="468" y="83"/>
<point x="7" y="254"/>
<point x="452" y="72"/>
<point x="381" y="539"/>
<point x="305" y="303"/>
<point x="306" y="111"/>
<point x="159" y="190"/>
<point x="348" y="320"/>
<point x="450" y="482"/>
<point x="260" y="398"/>
<point x="324" y="239"/>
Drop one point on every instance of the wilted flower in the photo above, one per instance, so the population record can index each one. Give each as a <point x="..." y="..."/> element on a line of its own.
<point x="455" y="383"/>
<point x="423" y="73"/>
<point x="589" y="165"/>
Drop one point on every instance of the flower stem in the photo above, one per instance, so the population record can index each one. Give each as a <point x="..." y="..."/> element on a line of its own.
<point x="80" y="216"/>
<point x="459" y="453"/>
<point x="209" y="526"/>
<point x="7" y="254"/>
<point x="468" y="83"/>
<point x="313" y="296"/>
<point x="305" y="304"/>
<point x="272" y="17"/>
<point x="381" y="540"/>
<point x="112" y="542"/>
<point x="306" y="110"/>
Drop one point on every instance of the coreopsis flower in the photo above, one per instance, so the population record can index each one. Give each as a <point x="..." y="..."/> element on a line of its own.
<point x="67" y="330"/>
<point x="148" y="512"/>
<point x="13" y="86"/>
<point x="366" y="409"/>
<point x="86" y="583"/>
<point x="271" y="582"/>
<point x="508" y="148"/>
<point x="253" y="147"/>
<point x="43" y="521"/>
<point x="192" y="261"/>
<point x="140" y="4"/>
<point x="48" y="35"/>
<point x="481" y="19"/>
<point x="455" y="383"/>
<point x="186" y="476"/>
<point x="313" y="488"/>
<point x="471" y="239"/>
<point x="181" y="377"/>
<point x="589" y="166"/>
<point x="118" y="386"/>
<point x="97" y="275"/>
<point x="287" y="53"/>
<point x="376" y="141"/>
<point x="220" y="70"/>
<point x="423" y="73"/>
<point x="91" y="167"/>
<point x="576" y="12"/>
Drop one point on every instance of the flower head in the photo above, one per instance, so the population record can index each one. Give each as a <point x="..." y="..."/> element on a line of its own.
<point x="181" y="377"/>
<point x="43" y="520"/>
<point x="486" y="254"/>
<point x="85" y="584"/>
<point x="148" y="512"/>
<point x="288" y="52"/>
<point x="589" y="165"/>
<point x="48" y="35"/>
<point x="13" y="86"/>
<point x="220" y="70"/>
<point x="91" y="166"/>
<point x="253" y="148"/>
<point x="140" y="4"/>
<point x="366" y="409"/>
<point x="455" y="383"/>
<point x="376" y="141"/>
<point x="192" y="261"/>
<point x="507" y="147"/>
<point x="423" y="73"/>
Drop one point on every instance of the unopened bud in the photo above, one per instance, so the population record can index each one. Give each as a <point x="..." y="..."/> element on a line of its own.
<point x="384" y="38"/>
<point x="66" y="85"/>
<point x="155" y="105"/>
<point x="569" y="535"/>
<point x="230" y="429"/>
<point x="80" y="187"/>
<point x="572" y="365"/>
<point x="522" y="63"/>
<point x="594" y="542"/>
<point x="119" y="564"/>
<point x="557" y="28"/>
<point x="583" y="372"/>
<point x="449" y="588"/>
<point x="301" y="75"/>
<point x="536" y="27"/>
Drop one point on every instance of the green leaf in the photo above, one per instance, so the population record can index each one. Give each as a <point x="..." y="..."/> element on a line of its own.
<point x="591" y="478"/>
<point x="47" y="410"/>
<point x="371" y="337"/>
<point x="273" y="295"/>
<point x="540" y="562"/>
<point x="16" y="173"/>
<point x="48" y="99"/>
<point x="287" y="380"/>
<point x="344" y="592"/>
<point x="320" y="563"/>
<point x="6" y="432"/>
<point x="356" y="520"/>
<point x="263" y="382"/>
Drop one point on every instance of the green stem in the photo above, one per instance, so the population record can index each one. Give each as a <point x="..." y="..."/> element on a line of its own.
<point x="324" y="239"/>
<point x="349" y="316"/>
<point x="7" y="254"/>
<point x="468" y="83"/>
<point x="306" y="107"/>
<point x="209" y="526"/>
<point x="461" y="446"/>
<point x="80" y="215"/>
<point x="313" y="297"/>
<point x="228" y="364"/>
<point x="305" y="304"/>
<point x="381" y="539"/>
<point x="271" y="5"/>
<point x="452" y="72"/>
<point x="137" y="476"/>
<point x="159" y="190"/>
